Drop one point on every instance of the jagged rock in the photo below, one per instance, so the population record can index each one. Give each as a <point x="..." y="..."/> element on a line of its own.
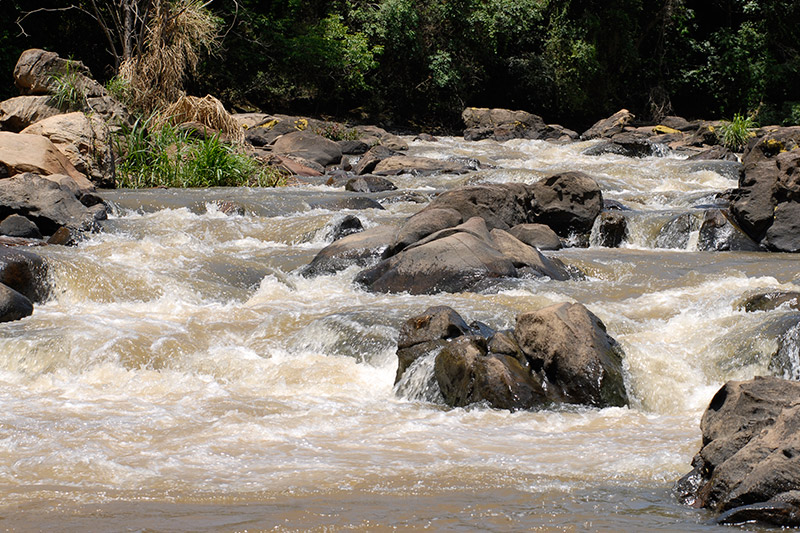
<point x="46" y="203"/>
<point x="309" y="146"/>
<point x="610" y="126"/>
<point x="20" y="153"/>
<point x="13" y="305"/>
<point x="113" y="112"/>
<point x="19" y="112"/>
<point x="750" y="459"/>
<point x="19" y="226"/>
<point x="361" y="249"/>
<point x="537" y="235"/>
<point x="612" y="229"/>
<point x="567" y="202"/>
<point x="84" y="140"/>
<point x="24" y="272"/>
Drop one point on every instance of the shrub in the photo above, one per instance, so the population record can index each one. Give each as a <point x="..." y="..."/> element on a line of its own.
<point x="165" y="156"/>
<point x="736" y="133"/>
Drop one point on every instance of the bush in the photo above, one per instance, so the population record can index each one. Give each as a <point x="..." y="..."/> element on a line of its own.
<point x="735" y="134"/>
<point x="162" y="155"/>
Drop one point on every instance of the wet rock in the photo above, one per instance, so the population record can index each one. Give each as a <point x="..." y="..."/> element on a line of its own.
<point x="537" y="235"/>
<point x="348" y="202"/>
<point x="21" y="153"/>
<point x="500" y="205"/>
<point x="524" y="256"/>
<point x="85" y="141"/>
<point x="24" y="272"/>
<point x="729" y="169"/>
<point x="370" y="160"/>
<point x="750" y="459"/>
<point x="611" y="230"/>
<point x="393" y="142"/>
<point x="627" y="144"/>
<point x="64" y="236"/>
<point x="608" y="127"/>
<point x="18" y="113"/>
<point x="571" y="345"/>
<point x="435" y="323"/>
<point x="353" y="147"/>
<point x="309" y="146"/>
<point x="452" y="260"/>
<point x="719" y="233"/>
<point x="784" y="509"/>
<point x="715" y="153"/>
<point x="349" y="225"/>
<point x="19" y="226"/>
<point x="567" y="202"/>
<point x="676" y="232"/>
<point x="401" y="164"/>
<point x="426" y="137"/>
<point x="46" y="203"/>
<point x="769" y="301"/>
<point x="369" y="184"/>
<point x="13" y="305"/>
<point x="359" y="249"/>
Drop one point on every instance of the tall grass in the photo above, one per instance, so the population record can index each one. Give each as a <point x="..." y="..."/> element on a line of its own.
<point x="736" y="133"/>
<point x="68" y="93"/>
<point x="164" y="156"/>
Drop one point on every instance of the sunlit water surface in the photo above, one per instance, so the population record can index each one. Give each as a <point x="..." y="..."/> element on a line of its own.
<point x="185" y="377"/>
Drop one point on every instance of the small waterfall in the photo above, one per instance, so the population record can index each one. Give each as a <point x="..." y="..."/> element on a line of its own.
<point x="786" y="362"/>
<point x="418" y="382"/>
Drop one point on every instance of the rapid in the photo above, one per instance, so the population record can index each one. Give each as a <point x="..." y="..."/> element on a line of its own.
<point x="185" y="376"/>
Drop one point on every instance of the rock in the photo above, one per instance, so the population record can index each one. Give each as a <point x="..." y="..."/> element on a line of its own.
<point x="348" y="202"/>
<point x="501" y="124"/>
<point x="524" y="256"/>
<point x="611" y="230"/>
<point x="467" y="374"/>
<point x="627" y="144"/>
<point x="347" y="226"/>
<point x="729" y="169"/>
<point x="21" y="153"/>
<point x="298" y="168"/>
<point x="773" y="143"/>
<point x="19" y="226"/>
<point x="676" y="123"/>
<point x="18" y="113"/>
<point x="424" y="223"/>
<point x="355" y="147"/>
<point x="425" y="137"/>
<point x="749" y="461"/>
<point x="784" y="233"/>
<point x="370" y="160"/>
<point x="719" y="233"/>
<point x="500" y="205"/>
<point x="452" y="260"/>
<point x="24" y="272"/>
<point x="571" y="346"/>
<point x="610" y="126"/>
<point x="85" y="141"/>
<point x="63" y="236"/>
<point x="400" y="164"/>
<point x="46" y="203"/>
<point x="435" y="323"/>
<point x="715" y="153"/>
<point x="309" y="146"/>
<point x="537" y="235"/>
<point x="35" y="68"/>
<point x="369" y="184"/>
<point x="13" y="305"/>
<point x="115" y="115"/>
<point x="393" y="142"/>
<point x="361" y="249"/>
<point x="567" y="202"/>
<point x="770" y="301"/>
<point x="268" y="130"/>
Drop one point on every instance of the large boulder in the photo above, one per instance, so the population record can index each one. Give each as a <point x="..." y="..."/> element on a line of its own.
<point x="361" y="249"/>
<point x="24" y="272"/>
<point x="47" y="203"/>
<point x="567" y="202"/>
<point x="310" y="146"/>
<point x="500" y="205"/>
<point x="476" y="364"/>
<point x="748" y="468"/>
<point x="20" y="153"/>
<point x="424" y="223"/>
<point x="401" y="164"/>
<point x="35" y="71"/>
<point x="84" y="140"/>
<point x="19" y="112"/>
<point x="571" y="345"/>
<point x="608" y="127"/>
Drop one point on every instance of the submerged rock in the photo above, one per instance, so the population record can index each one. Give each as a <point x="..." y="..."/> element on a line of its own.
<point x="611" y="229"/>
<point x="749" y="465"/>
<point x="480" y="365"/>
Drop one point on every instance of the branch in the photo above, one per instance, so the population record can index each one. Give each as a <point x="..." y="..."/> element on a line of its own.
<point x="26" y="14"/>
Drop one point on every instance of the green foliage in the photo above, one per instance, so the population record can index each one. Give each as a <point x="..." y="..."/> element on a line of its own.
<point x="336" y="132"/>
<point x="120" y="89"/>
<point x="736" y="133"/>
<point x="164" y="156"/>
<point x="67" y="89"/>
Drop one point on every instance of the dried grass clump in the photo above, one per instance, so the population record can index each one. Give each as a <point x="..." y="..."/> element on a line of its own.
<point x="207" y="111"/>
<point x="179" y="32"/>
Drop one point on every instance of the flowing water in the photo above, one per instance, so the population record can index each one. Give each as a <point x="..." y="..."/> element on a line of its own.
<point x="185" y="377"/>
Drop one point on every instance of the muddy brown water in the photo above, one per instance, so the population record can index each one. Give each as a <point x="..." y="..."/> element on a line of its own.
<point x="184" y="377"/>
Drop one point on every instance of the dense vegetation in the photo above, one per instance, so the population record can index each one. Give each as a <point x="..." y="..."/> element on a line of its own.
<point x="420" y="63"/>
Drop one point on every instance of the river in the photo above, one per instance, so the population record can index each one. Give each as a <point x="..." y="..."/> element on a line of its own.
<point x="185" y="377"/>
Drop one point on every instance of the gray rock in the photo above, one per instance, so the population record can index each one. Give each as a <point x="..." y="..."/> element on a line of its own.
<point x="426" y="222"/>
<point x="13" y="305"/>
<point x="610" y="126"/>
<point x="719" y="233"/>
<point x="499" y="205"/>
<point x="567" y="202"/>
<point x="25" y="272"/>
<point x="359" y="249"/>
<point x="525" y="256"/>
<point x="309" y="146"/>
<point x="612" y="229"/>
<point x="371" y="158"/>
<point x="19" y="226"/>
<point x="401" y="164"/>
<point x="537" y="235"/>
<point x="369" y="184"/>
